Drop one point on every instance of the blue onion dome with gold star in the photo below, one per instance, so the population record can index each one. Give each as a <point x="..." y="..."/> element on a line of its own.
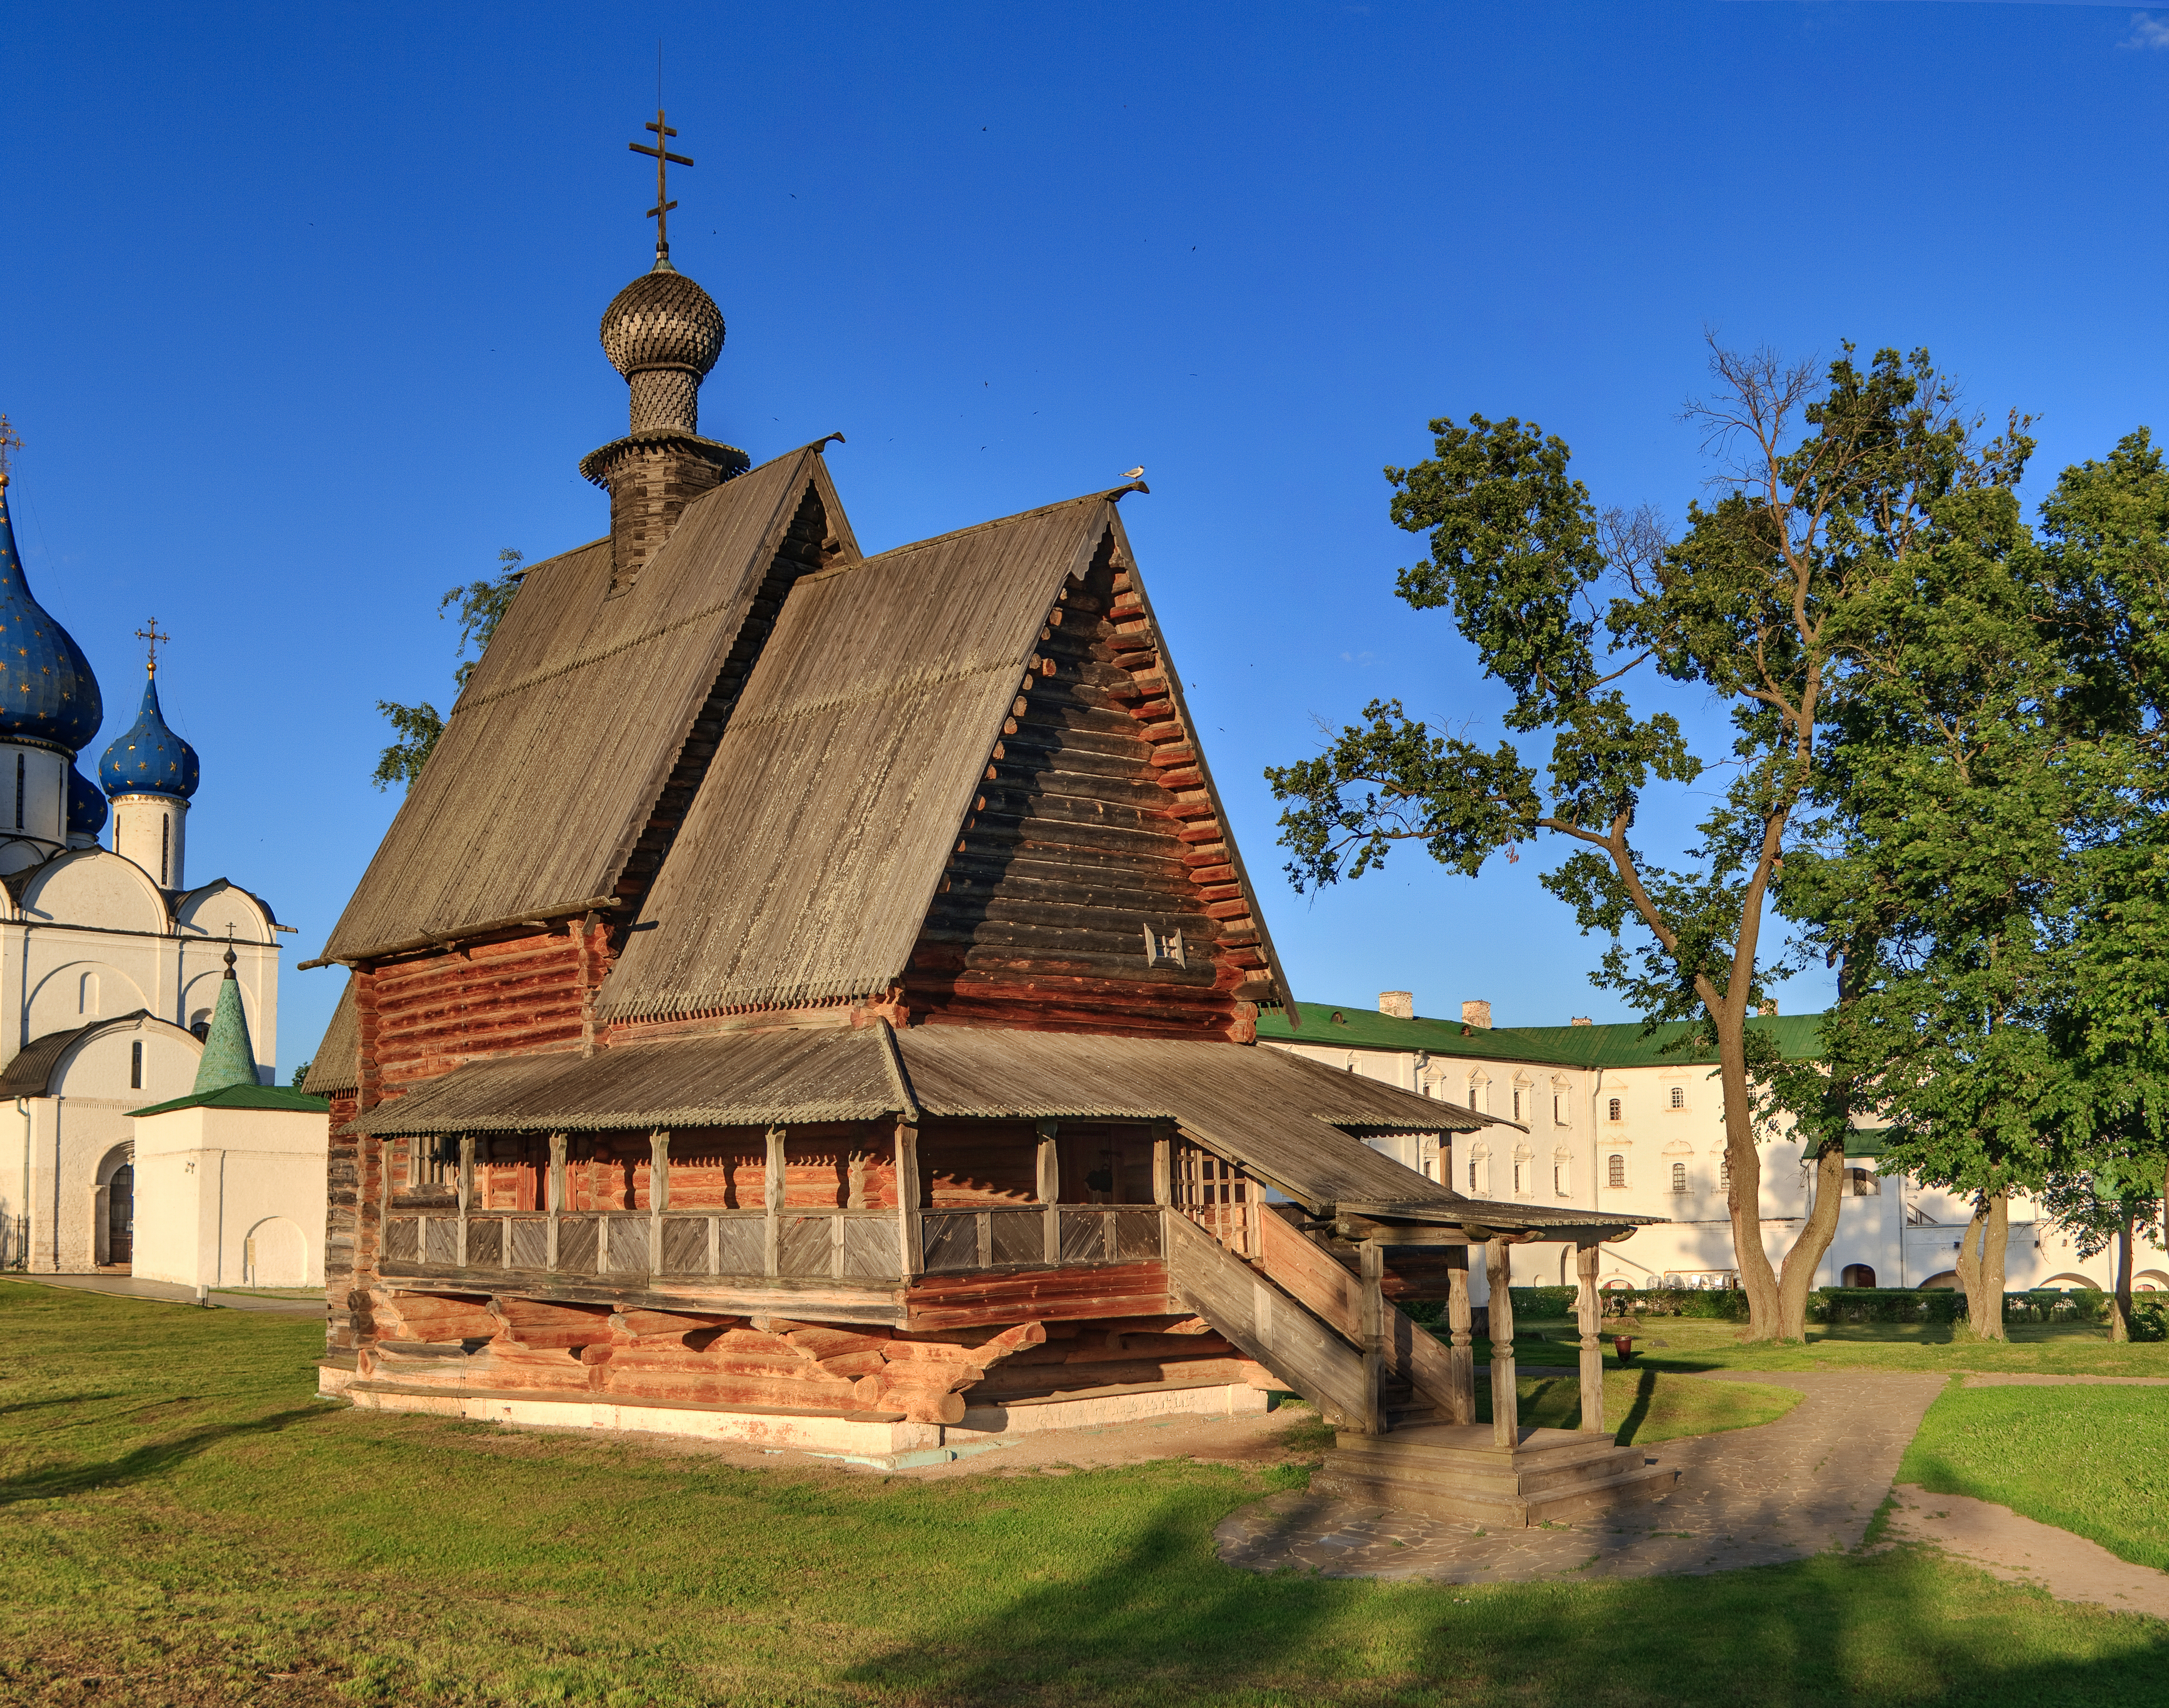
<point x="149" y="759"/>
<point x="47" y="693"/>
<point x="86" y="808"/>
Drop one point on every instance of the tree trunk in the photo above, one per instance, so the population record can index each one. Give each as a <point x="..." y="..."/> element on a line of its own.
<point x="1984" y="1304"/>
<point x="1797" y="1279"/>
<point x="2119" y="1309"/>
<point x="1968" y="1261"/>
<point x="1766" y="1319"/>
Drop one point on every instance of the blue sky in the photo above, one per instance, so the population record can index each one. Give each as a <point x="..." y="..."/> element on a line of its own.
<point x="301" y="307"/>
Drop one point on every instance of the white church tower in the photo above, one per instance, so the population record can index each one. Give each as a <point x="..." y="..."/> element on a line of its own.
<point x="149" y="775"/>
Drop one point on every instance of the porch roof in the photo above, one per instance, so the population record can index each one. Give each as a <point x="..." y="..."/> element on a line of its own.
<point x="1293" y="1122"/>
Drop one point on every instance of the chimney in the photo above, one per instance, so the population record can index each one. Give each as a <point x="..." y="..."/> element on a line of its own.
<point x="1581" y="1020"/>
<point x="1477" y="1014"/>
<point x="1400" y="1004"/>
<point x="664" y="333"/>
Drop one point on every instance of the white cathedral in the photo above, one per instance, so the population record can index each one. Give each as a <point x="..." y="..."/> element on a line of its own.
<point x="111" y="967"/>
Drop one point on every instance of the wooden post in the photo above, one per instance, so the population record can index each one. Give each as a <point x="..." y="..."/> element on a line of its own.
<point x="658" y="1195"/>
<point x="1373" y="1307"/>
<point x="1461" y="1355"/>
<point x="466" y="1190"/>
<point x="1505" y="1399"/>
<point x="1585" y="1307"/>
<point x="911" y="1255"/>
<point x="556" y="1195"/>
<point x="1163" y="1168"/>
<point x="771" y="1187"/>
<point x="1050" y="1189"/>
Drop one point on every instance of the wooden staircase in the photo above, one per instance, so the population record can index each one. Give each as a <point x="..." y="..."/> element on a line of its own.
<point x="1459" y="1472"/>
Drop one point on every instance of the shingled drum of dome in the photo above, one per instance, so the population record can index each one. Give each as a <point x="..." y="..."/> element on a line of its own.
<point x="663" y="320"/>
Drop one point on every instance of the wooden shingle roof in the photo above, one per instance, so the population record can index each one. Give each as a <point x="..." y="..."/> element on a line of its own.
<point x="808" y="860"/>
<point x="555" y="754"/>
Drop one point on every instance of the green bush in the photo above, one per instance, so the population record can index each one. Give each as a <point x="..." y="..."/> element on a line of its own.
<point x="1726" y="1304"/>
<point x="2150" y="1319"/>
<point x="1543" y="1301"/>
<point x="1884" y="1305"/>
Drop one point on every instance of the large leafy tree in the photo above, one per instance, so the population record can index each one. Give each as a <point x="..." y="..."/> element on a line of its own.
<point x="480" y="606"/>
<point x="1829" y="484"/>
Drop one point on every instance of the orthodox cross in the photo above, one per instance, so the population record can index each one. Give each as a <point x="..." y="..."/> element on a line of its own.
<point x="660" y="213"/>
<point x="153" y="639"/>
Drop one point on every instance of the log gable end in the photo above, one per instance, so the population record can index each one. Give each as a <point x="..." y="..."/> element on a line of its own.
<point x="1093" y="887"/>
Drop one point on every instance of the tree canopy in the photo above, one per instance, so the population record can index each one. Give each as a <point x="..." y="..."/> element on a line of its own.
<point x="480" y="605"/>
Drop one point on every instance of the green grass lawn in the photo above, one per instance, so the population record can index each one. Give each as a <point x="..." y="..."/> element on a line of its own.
<point x="183" y="1523"/>
<point x="1689" y="1343"/>
<point x="2093" y="1460"/>
<point x="1646" y="1406"/>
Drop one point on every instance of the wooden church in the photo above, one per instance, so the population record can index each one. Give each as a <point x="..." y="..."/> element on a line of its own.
<point x="810" y="999"/>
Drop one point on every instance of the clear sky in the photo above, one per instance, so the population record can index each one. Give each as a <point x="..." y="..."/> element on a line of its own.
<point x="299" y="309"/>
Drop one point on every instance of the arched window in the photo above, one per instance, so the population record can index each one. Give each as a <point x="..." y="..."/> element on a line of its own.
<point x="1615" y="1170"/>
<point x="1520" y="1175"/>
<point x="1679" y="1177"/>
<point x="1476" y="1094"/>
<point x="1517" y="1103"/>
<point x="1480" y="1170"/>
<point x="1558" y="1108"/>
<point x="1679" y="1097"/>
<point x="1612" y="1110"/>
<point x="1562" y="1177"/>
<point x="1857" y="1275"/>
<point x="1724" y="1170"/>
<point x="89" y="997"/>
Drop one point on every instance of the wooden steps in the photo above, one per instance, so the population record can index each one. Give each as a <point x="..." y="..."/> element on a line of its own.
<point x="1455" y="1471"/>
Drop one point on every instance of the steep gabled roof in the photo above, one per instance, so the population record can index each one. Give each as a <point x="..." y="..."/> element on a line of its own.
<point x="811" y="853"/>
<point x="553" y="757"/>
<point x="337" y="1065"/>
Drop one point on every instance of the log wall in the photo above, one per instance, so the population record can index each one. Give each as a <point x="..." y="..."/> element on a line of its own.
<point x="1094" y="828"/>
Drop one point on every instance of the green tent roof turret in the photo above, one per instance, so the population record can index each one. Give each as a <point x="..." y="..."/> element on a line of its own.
<point x="228" y="1056"/>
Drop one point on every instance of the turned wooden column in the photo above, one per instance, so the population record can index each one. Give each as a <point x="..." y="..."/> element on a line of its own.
<point x="1050" y="1189"/>
<point x="909" y="1195"/>
<point x="1506" y="1401"/>
<point x="1586" y="1306"/>
<point x="555" y="1202"/>
<point x="1461" y="1354"/>
<point x="658" y="1196"/>
<point x="465" y="1189"/>
<point x="771" y="1191"/>
<point x="1373" y="1308"/>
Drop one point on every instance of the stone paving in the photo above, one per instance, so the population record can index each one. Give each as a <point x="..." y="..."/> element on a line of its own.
<point x="1807" y="1484"/>
<point x="2024" y="1550"/>
<point x="174" y="1293"/>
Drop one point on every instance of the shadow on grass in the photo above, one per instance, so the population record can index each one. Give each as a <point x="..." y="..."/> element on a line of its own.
<point x="150" y="1459"/>
<point x="1165" y="1622"/>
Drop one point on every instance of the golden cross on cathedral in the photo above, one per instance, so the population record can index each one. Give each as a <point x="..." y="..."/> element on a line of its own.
<point x="660" y="213"/>
<point x="10" y="440"/>
<point x="154" y="639"/>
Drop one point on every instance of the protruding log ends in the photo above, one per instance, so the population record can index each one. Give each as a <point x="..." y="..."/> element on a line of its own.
<point x="652" y="477"/>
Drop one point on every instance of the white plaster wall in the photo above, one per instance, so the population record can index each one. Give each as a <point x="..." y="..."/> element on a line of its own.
<point x="153" y="831"/>
<point x="1695" y="1237"/>
<point x="212" y="1182"/>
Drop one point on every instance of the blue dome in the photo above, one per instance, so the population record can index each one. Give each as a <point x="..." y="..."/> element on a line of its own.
<point x="47" y="693"/>
<point x="87" y="807"/>
<point x="150" y="758"/>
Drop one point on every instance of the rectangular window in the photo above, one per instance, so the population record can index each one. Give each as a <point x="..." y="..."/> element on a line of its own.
<point x="1616" y="1170"/>
<point x="1558" y="1108"/>
<point x="1679" y="1177"/>
<point x="21" y="772"/>
<point x="1679" y="1097"/>
<point x="1559" y="1179"/>
<point x="135" y="1066"/>
<point x="165" y="845"/>
<point x="1517" y="1103"/>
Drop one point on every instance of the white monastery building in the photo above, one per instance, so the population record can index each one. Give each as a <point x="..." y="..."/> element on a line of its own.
<point x="1601" y="1118"/>
<point x="111" y="962"/>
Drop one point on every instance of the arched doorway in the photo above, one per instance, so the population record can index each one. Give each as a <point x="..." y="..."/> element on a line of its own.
<point x="1856" y="1275"/>
<point x="120" y="1215"/>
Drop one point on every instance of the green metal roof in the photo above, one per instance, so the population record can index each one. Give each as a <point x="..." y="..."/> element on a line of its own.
<point x="281" y="1097"/>
<point x="1627" y="1045"/>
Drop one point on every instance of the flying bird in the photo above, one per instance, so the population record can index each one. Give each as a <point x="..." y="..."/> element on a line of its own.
<point x="1132" y="474"/>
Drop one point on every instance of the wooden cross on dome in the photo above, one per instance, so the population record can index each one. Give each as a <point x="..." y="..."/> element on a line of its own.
<point x="660" y="213"/>
<point x="153" y="639"/>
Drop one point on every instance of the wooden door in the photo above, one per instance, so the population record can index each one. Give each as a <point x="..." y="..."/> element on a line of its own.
<point x="120" y="1215"/>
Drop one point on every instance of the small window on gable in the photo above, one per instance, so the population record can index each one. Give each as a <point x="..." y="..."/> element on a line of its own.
<point x="1679" y="1177"/>
<point x="1612" y="1109"/>
<point x="1679" y="1097"/>
<point x="135" y="1066"/>
<point x="1164" y="949"/>
<point x="1615" y="1170"/>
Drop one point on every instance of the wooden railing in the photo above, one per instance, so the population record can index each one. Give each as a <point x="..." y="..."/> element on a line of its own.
<point x="864" y="1245"/>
